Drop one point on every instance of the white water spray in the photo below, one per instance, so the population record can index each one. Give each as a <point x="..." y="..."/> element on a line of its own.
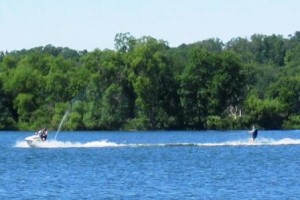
<point x="61" y="122"/>
<point x="106" y="143"/>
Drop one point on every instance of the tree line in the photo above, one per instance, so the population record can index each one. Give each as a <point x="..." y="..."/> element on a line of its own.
<point x="144" y="84"/>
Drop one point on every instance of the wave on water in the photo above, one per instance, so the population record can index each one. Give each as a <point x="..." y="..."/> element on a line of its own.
<point x="105" y="143"/>
<point x="68" y="144"/>
<point x="260" y="142"/>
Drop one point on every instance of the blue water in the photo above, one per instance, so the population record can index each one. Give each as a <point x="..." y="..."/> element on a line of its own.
<point x="151" y="165"/>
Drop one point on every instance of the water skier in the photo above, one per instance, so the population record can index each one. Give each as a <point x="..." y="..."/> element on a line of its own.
<point x="254" y="132"/>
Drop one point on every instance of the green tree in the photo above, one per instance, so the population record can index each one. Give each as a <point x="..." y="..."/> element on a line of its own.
<point x="114" y="107"/>
<point x="151" y="79"/>
<point x="267" y="113"/>
<point x="194" y="93"/>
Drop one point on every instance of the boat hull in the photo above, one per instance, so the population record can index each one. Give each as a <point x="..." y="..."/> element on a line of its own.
<point x="33" y="141"/>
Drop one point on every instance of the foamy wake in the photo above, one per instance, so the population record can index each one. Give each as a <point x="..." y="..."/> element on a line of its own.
<point x="259" y="142"/>
<point x="67" y="144"/>
<point x="105" y="143"/>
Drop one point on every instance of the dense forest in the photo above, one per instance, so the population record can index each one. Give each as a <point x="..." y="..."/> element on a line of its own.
<point x="144" y="84"/>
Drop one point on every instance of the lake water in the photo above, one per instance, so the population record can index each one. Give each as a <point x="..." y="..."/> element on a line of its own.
<point x="151" y="165"/>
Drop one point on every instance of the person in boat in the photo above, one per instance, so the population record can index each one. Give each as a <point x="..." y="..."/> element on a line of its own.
<point x="44" y="134"/>
<point x="253" y="133"/>
<point x="39" y="132"/>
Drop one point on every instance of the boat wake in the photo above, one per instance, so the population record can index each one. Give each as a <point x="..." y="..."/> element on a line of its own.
<point x="260" y="142"/>
<point x="67" y="144"/>
<point x="106" y="143"/>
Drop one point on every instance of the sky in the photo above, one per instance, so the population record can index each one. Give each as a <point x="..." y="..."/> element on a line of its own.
<point x="91" y="24"/>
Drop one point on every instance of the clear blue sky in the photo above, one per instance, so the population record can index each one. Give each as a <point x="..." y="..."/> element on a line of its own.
<point x="90" y="24"/>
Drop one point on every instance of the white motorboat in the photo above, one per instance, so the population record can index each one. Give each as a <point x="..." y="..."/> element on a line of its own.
<point x="34" y="140"/>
